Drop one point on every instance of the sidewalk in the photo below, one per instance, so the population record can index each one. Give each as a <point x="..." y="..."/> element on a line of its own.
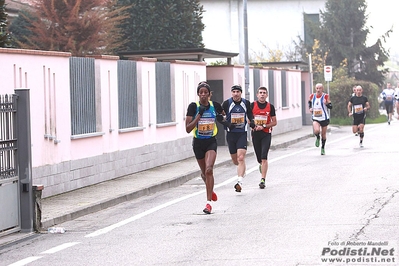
<point x="71" y="205"/>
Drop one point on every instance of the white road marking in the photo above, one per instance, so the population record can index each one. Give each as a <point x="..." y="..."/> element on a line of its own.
<point x="59" y="248"/>
<point x="167" y="204"/>
<point x="24" y="261"/>
<point x="49" y="251"/>
<point x="141" y="215"/>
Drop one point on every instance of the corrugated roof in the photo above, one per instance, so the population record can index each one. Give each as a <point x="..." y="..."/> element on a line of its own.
<point x="192" y="54"/>
<point x="286" y="64"/>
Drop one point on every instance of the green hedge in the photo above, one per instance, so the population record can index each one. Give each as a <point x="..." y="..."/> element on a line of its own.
<point x="341" y="91"/>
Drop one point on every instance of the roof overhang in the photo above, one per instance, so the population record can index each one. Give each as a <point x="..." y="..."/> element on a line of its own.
<point x="191" y="54"/>
<point x="288" y="64"/>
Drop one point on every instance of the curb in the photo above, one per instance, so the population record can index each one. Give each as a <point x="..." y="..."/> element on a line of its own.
<point x="11" y="239"/>
<point x="174" y="182"/>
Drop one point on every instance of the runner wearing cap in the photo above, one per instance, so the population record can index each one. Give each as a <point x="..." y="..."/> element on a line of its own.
<point x="238" y="113"/>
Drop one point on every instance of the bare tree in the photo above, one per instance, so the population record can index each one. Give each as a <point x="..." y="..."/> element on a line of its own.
<point x="77" y="26"/>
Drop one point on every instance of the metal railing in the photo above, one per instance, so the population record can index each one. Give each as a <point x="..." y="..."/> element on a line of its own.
<point x="83" y="95"/>
<point x="127" y="94"/>
<point x="8" y="137"/>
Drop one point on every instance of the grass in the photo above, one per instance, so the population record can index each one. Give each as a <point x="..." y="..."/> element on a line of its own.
<point x="347" y="121"/>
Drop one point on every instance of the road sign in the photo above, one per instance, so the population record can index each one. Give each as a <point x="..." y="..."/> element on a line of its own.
<point x="328" y="73"/>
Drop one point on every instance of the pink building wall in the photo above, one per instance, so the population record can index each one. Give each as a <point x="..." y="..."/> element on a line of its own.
<point x="288" y="117"/>
<point x="62" y="162"/>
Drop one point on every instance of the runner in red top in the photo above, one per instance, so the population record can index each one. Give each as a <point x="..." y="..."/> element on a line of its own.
<point x="264" y="119"/>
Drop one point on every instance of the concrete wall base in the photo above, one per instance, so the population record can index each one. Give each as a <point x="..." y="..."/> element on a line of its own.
<point x="287" y="125"/>
<point x="71" y="175"/>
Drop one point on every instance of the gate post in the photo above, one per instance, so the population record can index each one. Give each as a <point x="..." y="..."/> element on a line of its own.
<point x="24" y="155"/>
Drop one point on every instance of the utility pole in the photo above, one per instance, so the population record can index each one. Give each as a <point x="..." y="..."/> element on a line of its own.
<point x="246" y="66"/>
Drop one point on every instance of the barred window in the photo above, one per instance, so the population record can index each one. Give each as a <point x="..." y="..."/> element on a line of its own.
<point x="83" y="95"/>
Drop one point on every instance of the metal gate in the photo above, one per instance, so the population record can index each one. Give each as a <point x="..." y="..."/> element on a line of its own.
<point x="9" y="187"/>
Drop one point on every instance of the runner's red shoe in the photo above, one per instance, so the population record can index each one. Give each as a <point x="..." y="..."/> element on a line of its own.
<point x="214" y="196"/>
<point x="208" y="209"/>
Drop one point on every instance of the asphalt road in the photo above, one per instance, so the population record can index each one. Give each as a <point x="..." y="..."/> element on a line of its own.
<point x="343" y="205"/>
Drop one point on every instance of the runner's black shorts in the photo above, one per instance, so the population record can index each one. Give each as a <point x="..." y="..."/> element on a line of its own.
<point x="359" y="119"/>
<point x="201" y="146"/>
<point x="389" y="107"/>
<point x="261" y="141"/>
<point x="236" y="140"/>
<point x="323" y="123"/>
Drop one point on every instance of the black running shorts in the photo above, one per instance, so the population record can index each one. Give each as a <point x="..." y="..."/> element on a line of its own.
<point x="201" y="146"/>
<point x="323" y="123"/>
<point x="236" y="140"/>
<point x="261" y="141"/>
<point x="359" y="119"/>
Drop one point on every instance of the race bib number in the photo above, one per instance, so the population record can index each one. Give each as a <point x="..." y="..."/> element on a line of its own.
<point x="260" y="120"/>
<point x="238" y="119"/>
<point x="389" y="98"/>
<point x="358" y="108"/>
<point x="317" y="113"/>
<point x="206" y="126"/>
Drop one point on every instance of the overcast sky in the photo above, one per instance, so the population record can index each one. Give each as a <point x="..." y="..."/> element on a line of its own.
<point x="382" y="15"/>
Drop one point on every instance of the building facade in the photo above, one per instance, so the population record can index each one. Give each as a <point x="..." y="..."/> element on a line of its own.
<point x="271" y="24"/>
